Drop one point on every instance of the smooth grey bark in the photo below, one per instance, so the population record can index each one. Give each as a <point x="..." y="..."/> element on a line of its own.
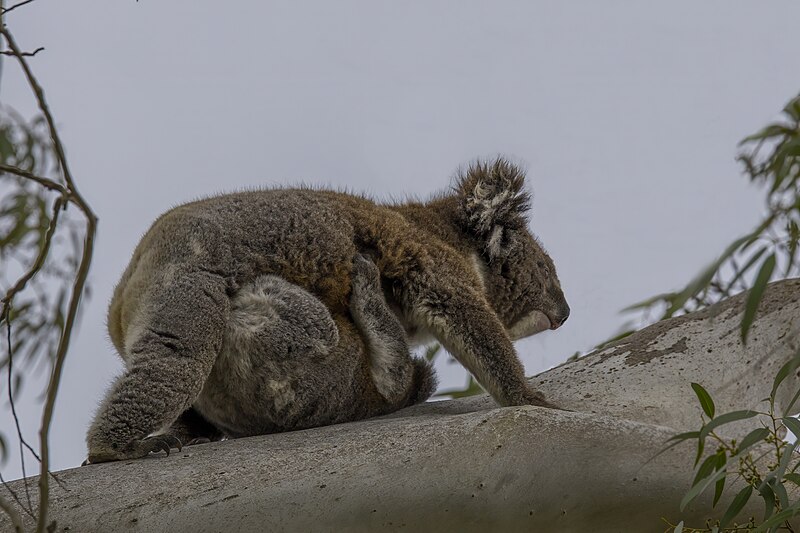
<point x="465" y="465"/>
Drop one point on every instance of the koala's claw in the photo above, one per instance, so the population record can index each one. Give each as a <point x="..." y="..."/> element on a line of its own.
<point x="158" y="443"/>
<point x="198" y="440"/>
<point x="137" y="449"/>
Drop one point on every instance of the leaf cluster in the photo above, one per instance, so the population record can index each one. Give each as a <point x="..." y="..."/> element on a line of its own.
<point x="763" y="460"/>
<point x="36" y="314"/>
<point x="771" y="159"/>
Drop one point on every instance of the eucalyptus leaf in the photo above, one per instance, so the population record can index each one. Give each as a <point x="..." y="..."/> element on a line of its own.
<point x="788" y="367"/>
<point x="705" y="399"/>
<point x="705" y="470"/>
<point x="765" y="490"/>
<point x="793" y="477"/>
<point x="727" y="418"/>
<point x="755" y="436"/>
<point x="793" y="425"/>
<point x="777" y="519"/>
<point x="720" y="485"/>
<point x="756" y="292"/>
<point x="738" y="503"/>
<point x="700" y="487"/>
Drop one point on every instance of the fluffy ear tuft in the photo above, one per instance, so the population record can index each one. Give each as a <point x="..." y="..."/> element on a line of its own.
<point x="492" y="194"/>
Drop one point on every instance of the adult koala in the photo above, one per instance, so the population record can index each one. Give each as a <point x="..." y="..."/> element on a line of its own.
<point x="274" y="310"/>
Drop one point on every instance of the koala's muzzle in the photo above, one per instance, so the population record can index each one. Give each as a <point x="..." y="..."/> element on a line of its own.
<point x="558" y="320"/>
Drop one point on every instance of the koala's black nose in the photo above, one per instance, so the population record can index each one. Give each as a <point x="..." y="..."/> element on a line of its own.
<point x="562" y="316"/>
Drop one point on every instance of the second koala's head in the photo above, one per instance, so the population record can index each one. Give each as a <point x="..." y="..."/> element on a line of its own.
<point x="519" y="277"/>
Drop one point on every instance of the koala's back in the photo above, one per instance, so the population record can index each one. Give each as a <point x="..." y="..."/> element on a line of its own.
<point x="307" y="237"/>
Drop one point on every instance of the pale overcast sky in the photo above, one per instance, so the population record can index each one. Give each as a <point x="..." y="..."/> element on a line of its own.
<point x="627" y="115"/>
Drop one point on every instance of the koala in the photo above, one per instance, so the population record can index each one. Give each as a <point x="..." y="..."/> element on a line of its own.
<point x="275" y="310"/>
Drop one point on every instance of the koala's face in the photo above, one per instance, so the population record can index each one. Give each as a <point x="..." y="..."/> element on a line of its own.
<point x="519" y="277"/>
<point x="522" y="285"/>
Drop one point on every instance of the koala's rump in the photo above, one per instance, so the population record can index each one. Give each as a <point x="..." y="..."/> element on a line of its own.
<point x="306" y="238"/>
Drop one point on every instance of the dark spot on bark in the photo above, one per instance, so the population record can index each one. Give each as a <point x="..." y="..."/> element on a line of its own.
<point x="637" y="357"/>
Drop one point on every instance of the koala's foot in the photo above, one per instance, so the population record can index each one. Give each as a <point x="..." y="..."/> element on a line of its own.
<point x="192" y="428"/>
<point x="424" y="381"/>
<point x="136" y="449"/>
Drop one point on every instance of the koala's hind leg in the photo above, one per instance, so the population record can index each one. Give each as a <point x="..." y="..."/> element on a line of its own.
<point x="400" y="378"/>
<point x="191" y="428"/>
<point x="274" y="368"/>
<point x="171" y="345"/>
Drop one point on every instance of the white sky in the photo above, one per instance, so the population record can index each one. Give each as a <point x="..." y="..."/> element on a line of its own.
<point x="627" y="115"/>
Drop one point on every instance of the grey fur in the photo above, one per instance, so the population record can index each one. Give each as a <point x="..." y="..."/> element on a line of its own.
<point x="256" y="312"/>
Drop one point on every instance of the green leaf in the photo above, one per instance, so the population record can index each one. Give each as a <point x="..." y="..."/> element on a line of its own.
<point x="765" y="490"/>
<point x="678" y="528"/>
<point x="705" y="470"/>
<point x="754" y="297"/>
<point x="786" y="458"/>
<point x="685" y="436"/>
<point x="780" y="492"/>
<point x="789" y="367"/>
<point x="644" y="304"/>
<point x="793" y="425"/>
<point x="794" y="239"/>
<point x="700" y="487"/>
<point x="757" y="435"/>
<point x="792" y="401"/>
<point x="472" y="389"/>
<point x="705" y="399"/>
<point x="738" y="503"/>
<point x="720" y="486"/>
<point x="793" y="477"/>
<point x="727" y="418"/>
<point x="748" y="265"/>
<point x="773" y="130"/>
<point x="701" y="444"/>
<point x="792" y="109"/>
<point x="778" y="518"/>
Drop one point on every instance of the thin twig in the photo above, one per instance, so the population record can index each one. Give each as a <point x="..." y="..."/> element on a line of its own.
<point x="51" y="123"/>
<point x="37" y="264"/>
<point x="5" y="315"/>
<point x="44" y="182"/>
<point x="77" y="288"/>
<point x="15" y="6"/>
<point x="23" y="54"/>
<point x="22" y="441"/>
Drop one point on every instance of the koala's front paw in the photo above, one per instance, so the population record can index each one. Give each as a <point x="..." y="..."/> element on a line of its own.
<point x="136" y="449"/>
<point x="365" y="272"/>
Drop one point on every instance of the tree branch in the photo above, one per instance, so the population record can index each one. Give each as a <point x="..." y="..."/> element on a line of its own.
<point x="467" y="465"/>
<point x="77" y="289"/>
<point x="22" y="54"/>
<point x="5" y="315"/>
<point x="47" y="183"/>
<point x="35" y="267"/>
<point x="15" y="6"/>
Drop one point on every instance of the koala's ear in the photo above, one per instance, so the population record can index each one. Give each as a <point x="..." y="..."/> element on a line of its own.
<point x="492" y="197"/>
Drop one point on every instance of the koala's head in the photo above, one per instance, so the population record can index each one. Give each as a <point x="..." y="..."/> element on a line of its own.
<point x="519" y="277"/>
